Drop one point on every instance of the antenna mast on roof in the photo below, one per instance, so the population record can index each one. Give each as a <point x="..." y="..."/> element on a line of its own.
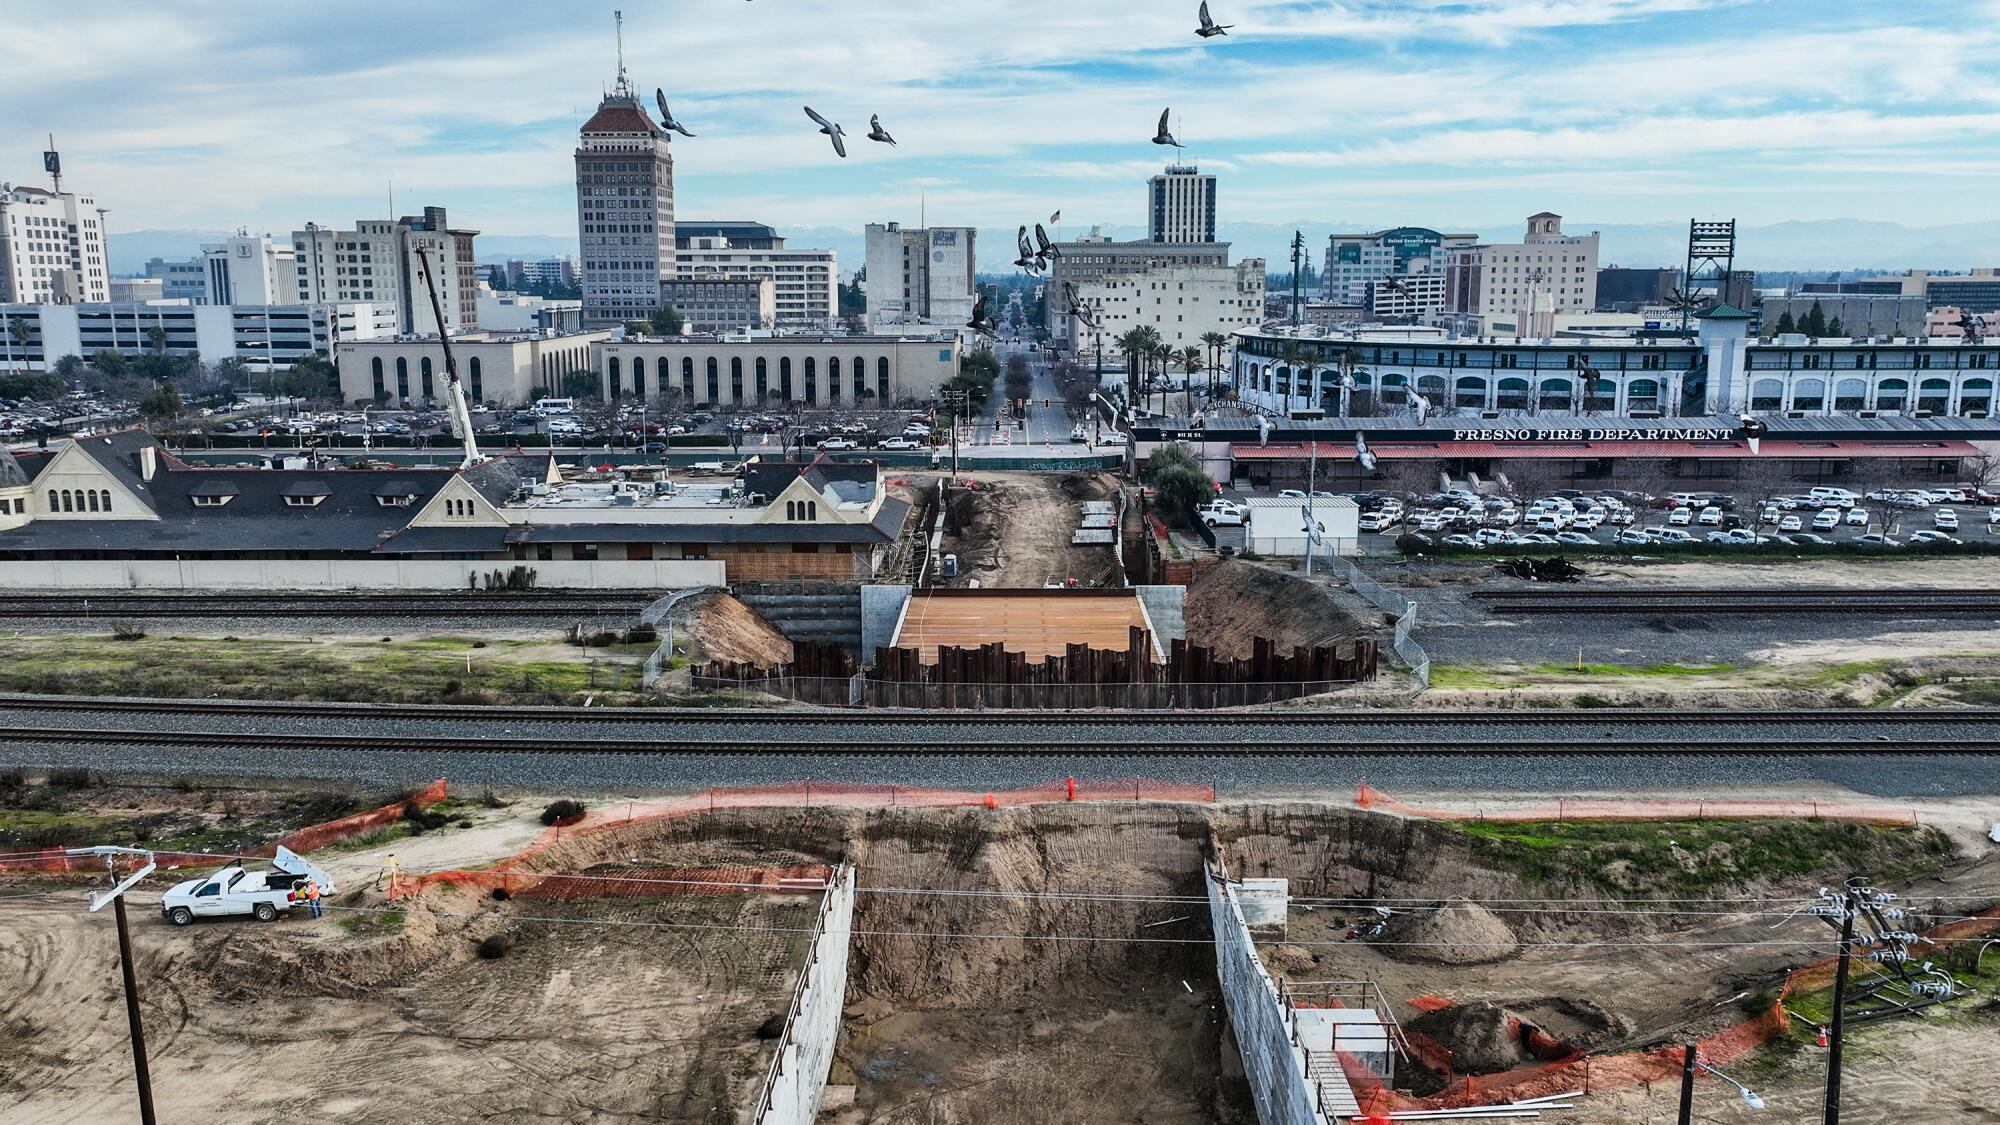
<point x="624" y="86"/>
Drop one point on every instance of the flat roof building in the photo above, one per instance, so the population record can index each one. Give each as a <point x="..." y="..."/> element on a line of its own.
<point x="829" y="371"/>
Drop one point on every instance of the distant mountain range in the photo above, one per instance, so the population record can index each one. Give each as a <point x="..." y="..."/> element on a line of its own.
<point x="1830" y="244"/>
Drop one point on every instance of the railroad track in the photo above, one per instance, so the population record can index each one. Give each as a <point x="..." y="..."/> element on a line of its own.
<point x="43" y="720"/>
<point x="552" y="603"/>
<point x="1739" y="601"/>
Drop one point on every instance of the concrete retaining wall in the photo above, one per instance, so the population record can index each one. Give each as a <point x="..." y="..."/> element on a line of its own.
<point x="797" y="1079"/>
<point x="881" y="612"/>
<point x="375" y="575"/>
<point x="1165" y="609"/>
<point x="1274" y="1065"/>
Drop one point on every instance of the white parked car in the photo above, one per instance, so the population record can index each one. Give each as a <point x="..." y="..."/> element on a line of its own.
<point x="1933" y="537"/>
<point x="1944" y="519"/>
<point x="839" y="443"/>
<point x="1672" y="535"/>
<point x="1680" y="517"/>
<point x="901" y="443"/>
<point x="1710" y="516"/>
<point x="1826" y="520"/>
<point x="1855" y="517"/>
<point x="1220" y="513"/>
<point x="1791" y="522"/>
<point x="1632" y="537"/>
<point x="1737" y="537"/>
<point x="1427" y="521"/>
<point x="1576" y="539"/>
<point x="1877" y="541"/>
<point x="1463" y="541"/>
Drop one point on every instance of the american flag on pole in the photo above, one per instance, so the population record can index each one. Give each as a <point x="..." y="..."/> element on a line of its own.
<point x="1055" y="218"/>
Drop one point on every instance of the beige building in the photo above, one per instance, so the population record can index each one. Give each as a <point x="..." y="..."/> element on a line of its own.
<point x="721" y="304"/>
<point x="1180" y="302"/>
<point x="805" y="283"/>
<point x="501" y="369"/>
<point x="624" y="208"/>
<point x="1524" y="283"/>
<point x="377" y="261"/>
<point x="813" y="370"/>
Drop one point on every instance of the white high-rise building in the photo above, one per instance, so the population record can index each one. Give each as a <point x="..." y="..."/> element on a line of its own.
<point x="624" y="208"/>
<point x="1180" y="205"/>
<point x="378" y="261"/>
<point x="919" y="276"/>
<point x="806" y="283"/>
<point x="51" y="247"/>
<point x="249" y="269"/>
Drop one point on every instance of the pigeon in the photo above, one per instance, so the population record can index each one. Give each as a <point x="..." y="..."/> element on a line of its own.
<point x="831" y="130"/>
<point x="979" y="323"/>
<point x="1164" y="137"/>
<point x="666" y="116"/>
<point x="1420" y="404"/>
<point x="1078" y="309"/>
<point x="877" y="133"/>
<point x="1048" y="249"/>
<point x="1364" y="456"/>
<point x="1209" y="29"/>
<point x="1028" y="260"/>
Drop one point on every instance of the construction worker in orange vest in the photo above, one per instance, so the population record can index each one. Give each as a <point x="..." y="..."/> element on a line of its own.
<point x="312" y="898"/>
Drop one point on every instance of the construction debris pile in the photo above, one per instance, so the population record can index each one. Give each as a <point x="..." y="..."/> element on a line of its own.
<point x="1540" y="570"/>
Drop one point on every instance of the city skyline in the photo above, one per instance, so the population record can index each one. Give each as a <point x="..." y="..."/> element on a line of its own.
<point x="1468" y="112"/>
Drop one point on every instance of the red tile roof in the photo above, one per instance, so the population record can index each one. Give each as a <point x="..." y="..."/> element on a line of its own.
<point x="615" y="115"/>
<point x="1543" y="450"/>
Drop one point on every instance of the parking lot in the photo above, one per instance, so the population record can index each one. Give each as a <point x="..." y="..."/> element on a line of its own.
<point x="1819" y="518"/>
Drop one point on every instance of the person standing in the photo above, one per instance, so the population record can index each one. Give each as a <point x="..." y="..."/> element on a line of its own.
<point x="312" y="898"/>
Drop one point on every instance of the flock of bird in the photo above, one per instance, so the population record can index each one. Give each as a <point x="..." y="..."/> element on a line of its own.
<point x="1034" y="256"/>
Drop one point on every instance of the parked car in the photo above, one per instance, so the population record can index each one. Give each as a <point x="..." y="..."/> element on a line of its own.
<point x="1944" y="519"/>
<point x="1791" y="522"/>
<point x="1672" y="535"/>
<point x="1932" y="538"/>
<point x="1736" y="537"/>
<point x="1826" y="520"/>
<point x="1376" y="521"/>
<point x="1220" y="513"/>
<point x="1632" y="537"/>
<point x="1877" y="541"/>
<point x="1576" y="539"/>
<point x="1680" y="517"/>
<point x="237" y="890"/>
<point x="901" y="443"/>
<point x="1855" y="517"/>
<point x="838" y="443"/>
<point x="1808" y="539"/>
<point x="1463" y="541"/>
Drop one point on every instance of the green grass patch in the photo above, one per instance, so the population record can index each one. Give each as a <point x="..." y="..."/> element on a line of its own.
<point x="1700" y="855"/>
<point x="1501" y="677"/>
<point x="371" y="923"/>
<point x="1633" y="669"/>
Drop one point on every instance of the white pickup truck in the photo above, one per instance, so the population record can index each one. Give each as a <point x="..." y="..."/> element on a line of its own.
<point x="234" y="889"/>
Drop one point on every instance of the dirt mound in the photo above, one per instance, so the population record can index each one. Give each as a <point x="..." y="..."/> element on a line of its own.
<point x="1483" y="1037"/>
<point x="1089" y="486"/>
<point x="1234" y="602"/>
<point x="726" y="629"/>
<point x="1456" y="933"/>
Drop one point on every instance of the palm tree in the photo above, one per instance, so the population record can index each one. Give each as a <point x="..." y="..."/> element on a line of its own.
<point x="1132" y="342"/>
<point x="17" y="334"/>
<point x="1163" y="354"/>
<point x="156" y="338"/>
<point x="1190" y="360"/>
<point x="1214" y="342"/>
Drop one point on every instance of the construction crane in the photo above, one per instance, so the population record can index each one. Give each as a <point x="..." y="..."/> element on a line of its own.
<point x="460" y="413"/>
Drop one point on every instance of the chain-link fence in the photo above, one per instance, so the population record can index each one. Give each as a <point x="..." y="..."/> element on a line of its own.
<point x="859" y="691"/>
<point x="1387" y="600"/>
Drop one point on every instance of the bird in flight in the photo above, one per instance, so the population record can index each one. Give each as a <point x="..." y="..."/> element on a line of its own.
<point x="1029" y="260"/>
<point x="1077" y="308"/>
<point x="1364" y="455"/>
<point x="832" y="130"/>
<point x="666" y="115"/>
<point x="1164" y="137"/>
<point x="1046" y="249"/>
<point x="1209" y="29"/>
<point x="876" y="132"/>
<point x="979" y="323"/>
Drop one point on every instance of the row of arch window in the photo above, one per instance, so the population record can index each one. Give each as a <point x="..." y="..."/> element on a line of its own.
<point x="801" y="510"/>
<point x="475" y="383"/>
<point x="79" y="500"/>
<point x="761" y="387"/>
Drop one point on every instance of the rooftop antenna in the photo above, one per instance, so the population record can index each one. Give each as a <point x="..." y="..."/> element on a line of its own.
<point x="624" y="86"/>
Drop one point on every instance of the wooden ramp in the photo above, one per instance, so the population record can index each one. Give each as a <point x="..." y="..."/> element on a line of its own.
<point x="1038" y="623"/>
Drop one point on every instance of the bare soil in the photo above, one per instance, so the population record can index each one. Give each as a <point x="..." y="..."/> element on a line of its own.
<point x="1234" y="602"/>
<point x="726" y="629"/>
<point x="1013" y="530"/>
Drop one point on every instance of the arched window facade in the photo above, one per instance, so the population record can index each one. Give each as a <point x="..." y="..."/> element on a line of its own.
<point x="812" y="380"/>
<point x="424" y="371"/>
<point x="381" y="388"/>
<point x="785" y="377"/>
<point x="402" y="377"/>
<point x="882" y="378"/>
<point x="687" y="379"/>
<point x="639" y="377"/>
<point x="478" y="381"/>
<point x="762" y="379"/>
<point x="860" y="370"/>
<point x="714" y="381"/>
<point x="833" y="379"/>
<point x="617" y="381"/>
<point x="735" y="378"/>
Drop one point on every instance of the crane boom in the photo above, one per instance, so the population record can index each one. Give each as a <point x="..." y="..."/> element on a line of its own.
<point x="461" y="414"/>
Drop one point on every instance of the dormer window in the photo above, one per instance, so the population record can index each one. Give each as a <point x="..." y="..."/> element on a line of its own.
<point x="201" y="501"/>
<point x="306" y="494"/>
<point x="304" y="501"/>
<point x="395" y="501"/>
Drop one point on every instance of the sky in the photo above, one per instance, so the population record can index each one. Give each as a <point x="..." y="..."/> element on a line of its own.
<point x="1457" y="114"/>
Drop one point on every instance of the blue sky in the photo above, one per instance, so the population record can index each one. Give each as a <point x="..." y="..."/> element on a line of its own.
<point x="1450" y="113"/>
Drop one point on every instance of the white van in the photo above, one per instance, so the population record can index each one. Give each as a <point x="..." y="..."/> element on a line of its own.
<point x="1834" y="497"/>
<point x="547" y="406"/>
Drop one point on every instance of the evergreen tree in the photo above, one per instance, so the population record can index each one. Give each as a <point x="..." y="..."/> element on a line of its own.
<point x="1786" y="325"/>
<point x="1815" y="321"/>
<point x="1833" y="328"/>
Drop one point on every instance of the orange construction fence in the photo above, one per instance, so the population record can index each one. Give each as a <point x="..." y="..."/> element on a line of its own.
<point x="53" y="861"/>
<point x="518" y="871"/>
<point x="1887" y="816"/>
<point x="1570" y="1069"/>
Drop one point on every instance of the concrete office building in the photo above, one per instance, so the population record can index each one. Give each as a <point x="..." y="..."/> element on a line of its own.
<point x="249" y="270"/>
<point x="1978" y="291"/>
<point x="1526" y="282"/>
<point x="1094" y="258"/>
<point x="1180" y="205"/>
<point x="563" y="271"/>
<point x="805" y="283"/>
<point x="1355" y="262"/>
<point x="624" y="208"/>
<point x="264" y="337"/>
<point x="504" y="369"/>
<point x="51" y="247"/>
<point x="137" y="289"/>
<point x="1179" y="301"/>
<point x="1628" y="289"/>
<point x="920" y="276"/>
<point x="501" y="311"/>
<point x="180" y="280"/>
<point x="377" y="262"/>
<point x="820" y="371"/>
<point x="719" y="304"/>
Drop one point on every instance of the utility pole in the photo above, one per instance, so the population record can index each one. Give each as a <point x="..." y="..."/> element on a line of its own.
<point x="1832" y="1109"/>
<point x="955" y="401"/>
<point x="1298" y="248"/>
<point x="116" y="897"/>
<point x="1687" y="1086"/>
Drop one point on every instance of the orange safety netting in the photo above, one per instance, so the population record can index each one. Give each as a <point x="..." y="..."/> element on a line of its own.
<point x="1369" y="797"/>
<point x="53" y="861"/>
<point x="799" y="794"/>
<point x="1567" y="1068"/>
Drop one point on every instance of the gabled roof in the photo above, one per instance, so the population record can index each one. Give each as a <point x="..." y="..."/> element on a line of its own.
<point x="1725" y="312"/>
<point x="309" y="488"/>
<point x="772" y="477"/>
<point x="11" y="470"/>
<point x="399" y="487"/>
<point x="498" y="478"/>
<point x="118" y="454"/>
<point x="215" y="488"/>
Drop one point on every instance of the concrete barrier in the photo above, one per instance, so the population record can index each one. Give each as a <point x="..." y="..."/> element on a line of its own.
<point x="1273" y="1061"/>
<point x="796" y="1080"/>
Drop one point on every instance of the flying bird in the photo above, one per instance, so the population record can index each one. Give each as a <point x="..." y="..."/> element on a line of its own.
<point x="1209" y="29"/>
<point x="1028" y="260"/>
<point x="1047" y="249"/>
<point x="832" y="130"/>
<point x="1419" y="403"/>
<point x="979" y="323"/>
<point x="666" y="115"/>
<point x="1163" y="137"/>
<point x="1077" y="308"/>
<point x="877" y="133"/>
<point x="1364" y="455"/>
